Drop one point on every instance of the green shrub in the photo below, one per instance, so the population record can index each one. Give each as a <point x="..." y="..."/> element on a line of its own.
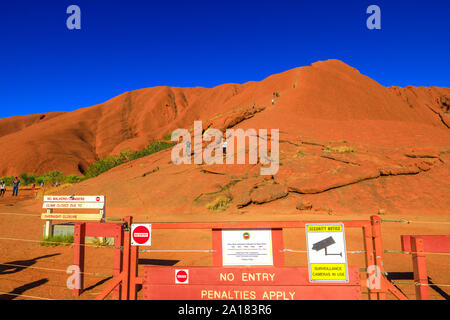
<point x="110" y="162"/>
<point x="55" y="176"/>
<point x="27" y="179"/>
<point x="94" y="170"/>
<point x="167" y="136"/>
<point x="72" y="178"/>
<point x="8" y="180"/>
<point x="55" y="241"/>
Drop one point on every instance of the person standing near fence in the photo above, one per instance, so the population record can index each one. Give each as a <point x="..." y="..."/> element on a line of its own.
<point x="16" y="183"/>
<point x="2" y="188"/>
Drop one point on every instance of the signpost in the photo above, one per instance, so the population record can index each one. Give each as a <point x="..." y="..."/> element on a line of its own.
<point x="141" y="234"/>
<point x="247" y="247"/>
<point x="71" y="203"/>
<point x="98" y="199"/>
<point x="327" y="255"/>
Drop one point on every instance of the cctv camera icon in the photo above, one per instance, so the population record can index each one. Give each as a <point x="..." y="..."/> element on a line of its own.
<point x="324" y="244"/>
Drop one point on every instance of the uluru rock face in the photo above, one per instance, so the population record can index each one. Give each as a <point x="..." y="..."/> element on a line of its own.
<point x="347" y="144"/>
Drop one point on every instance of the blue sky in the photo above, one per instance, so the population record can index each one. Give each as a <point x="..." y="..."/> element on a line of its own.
<point x="133" y="44"/>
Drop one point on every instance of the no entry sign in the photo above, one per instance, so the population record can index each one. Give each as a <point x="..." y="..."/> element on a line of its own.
<point x="141" y="234"/>
<point x="182" y="276"/>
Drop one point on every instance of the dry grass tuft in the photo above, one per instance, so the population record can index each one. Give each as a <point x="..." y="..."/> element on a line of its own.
<point x="343" y="149"/>
<point x="219" y="204"/>
<point x="50" y="191"/>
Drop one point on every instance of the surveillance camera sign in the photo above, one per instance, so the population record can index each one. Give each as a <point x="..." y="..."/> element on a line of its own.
<point x="327" y="255"/>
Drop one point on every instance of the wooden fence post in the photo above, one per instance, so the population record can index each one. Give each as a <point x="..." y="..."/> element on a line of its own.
<point x="79" y="255"/>
<point x="134" y="263"/>
<point x="420" y="269"/>
<point x="126" y="259"/>
<point x="378" y="245"/>
<point x="118" y="258"/>
<point x="370" y="258"/>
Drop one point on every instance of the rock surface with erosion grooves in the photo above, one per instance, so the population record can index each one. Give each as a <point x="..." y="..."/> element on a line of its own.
<point x="347" y="145"/>
<point x="269" y="192"/>
<point x="320" y="182"/>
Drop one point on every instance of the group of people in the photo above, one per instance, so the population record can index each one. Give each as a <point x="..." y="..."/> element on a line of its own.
<point x="274" y="96"/>
<point x="16" y="184"/>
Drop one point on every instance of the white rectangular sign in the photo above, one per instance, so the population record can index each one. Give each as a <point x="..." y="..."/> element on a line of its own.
<point x="72" y="216"/>
<point x="73" y="205"/>
<point x="98" y="199"/>
<point x="247" y="247"/>
<point x="327" y="255"/>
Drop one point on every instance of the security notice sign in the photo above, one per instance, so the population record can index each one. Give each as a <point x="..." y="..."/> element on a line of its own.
<point x="247" y="247"/>
<point x="141" y="234"/>
<point x="327" y="255"/>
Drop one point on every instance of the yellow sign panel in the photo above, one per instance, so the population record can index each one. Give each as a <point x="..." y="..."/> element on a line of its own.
<point x="327" y="255"/>
<point x="328" y="271"/>
<point x="325" y="228"/>
<point x="72" y="216"/>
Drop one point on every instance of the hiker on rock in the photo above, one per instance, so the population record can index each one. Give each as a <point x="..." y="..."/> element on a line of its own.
<point x="16" y="183"/>
<point x="188" y="148"/>
<point x="2" y="188"/>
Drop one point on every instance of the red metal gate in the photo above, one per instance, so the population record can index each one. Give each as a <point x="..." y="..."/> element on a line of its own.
<point x="129" y="278"/>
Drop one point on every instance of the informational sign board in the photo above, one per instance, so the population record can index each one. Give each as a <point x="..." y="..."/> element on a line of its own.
<point x="73" y="202"/>
<point x="141" y="234"/>
<point x="243" y="283"/>
<point x="247" y="247"/>
<point x="327" y="255"/>
<point x="100" y="199"/>
<point x="73" y="216"/>
<point x="73" y="205"/>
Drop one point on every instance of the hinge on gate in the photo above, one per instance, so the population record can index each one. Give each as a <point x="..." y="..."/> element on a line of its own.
<point x="126" y="227"/>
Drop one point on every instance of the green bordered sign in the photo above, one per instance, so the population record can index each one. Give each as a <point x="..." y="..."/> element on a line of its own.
<point x="247" y="247"/>
<point x="327" y="254"/>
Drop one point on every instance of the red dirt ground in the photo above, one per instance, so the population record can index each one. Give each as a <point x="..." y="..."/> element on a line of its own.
<point x="399" y="164"/>
<point x="19" y="222"/>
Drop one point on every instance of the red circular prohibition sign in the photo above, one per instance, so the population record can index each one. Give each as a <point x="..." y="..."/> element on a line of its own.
<point x="181" y="276"/>
<point x="141" y="235"/>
